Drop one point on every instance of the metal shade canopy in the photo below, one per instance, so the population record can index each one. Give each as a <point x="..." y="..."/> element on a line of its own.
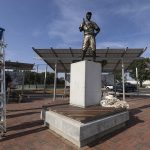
<point x="18" y="65"/>
<point x="113" y="56"/>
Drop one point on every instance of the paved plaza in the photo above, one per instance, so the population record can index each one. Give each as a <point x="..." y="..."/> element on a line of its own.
<point x="25" y="130"/>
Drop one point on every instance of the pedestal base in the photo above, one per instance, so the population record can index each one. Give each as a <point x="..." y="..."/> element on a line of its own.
<point x="81" y="130"/>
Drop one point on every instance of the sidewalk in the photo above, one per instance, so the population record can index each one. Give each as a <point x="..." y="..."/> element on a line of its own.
<point x="25" y="130"/>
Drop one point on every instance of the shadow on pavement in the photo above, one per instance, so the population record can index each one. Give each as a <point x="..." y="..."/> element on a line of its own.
<point x="20" y="134"/>
<point x="134" y="120"/>
<point x="26" y="125"/>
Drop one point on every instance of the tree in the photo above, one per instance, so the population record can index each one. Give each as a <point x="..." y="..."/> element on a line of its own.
<point x="143" y="73"/>
<point x="38" y="78"/>
<point x="118" y="76"/>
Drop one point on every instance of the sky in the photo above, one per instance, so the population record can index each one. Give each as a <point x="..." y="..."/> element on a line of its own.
<point x="55" y="23"/>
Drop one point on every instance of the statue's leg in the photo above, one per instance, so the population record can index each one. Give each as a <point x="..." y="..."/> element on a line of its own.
<point x="93" y="47"/>
<point x="85" y="46"/>
<point x="94" y="55"/>
<point x="83" y="54"/>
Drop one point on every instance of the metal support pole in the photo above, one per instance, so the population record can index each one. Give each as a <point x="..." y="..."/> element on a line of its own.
<point x="55" y="82"/>
<point x="2" y="85"/>
<point x="123" y="85"/>
<point x="29" y="78"/>
<point x="65" y="85"/>
<point x="37" y="74"/>
<point x="45" y="77"/>
<point x="115" y="83"/>
<point x="137" y="79"/>
<point x="22" y="91"/>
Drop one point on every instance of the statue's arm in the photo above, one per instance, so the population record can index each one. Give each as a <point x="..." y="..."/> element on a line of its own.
<point x="96" y="28"/>
<point x="82" y="25"/>
<point x="81" y="28"/>
<point x="97" y="31"/>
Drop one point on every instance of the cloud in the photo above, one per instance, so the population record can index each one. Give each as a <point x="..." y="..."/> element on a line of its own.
<point x="146" y="53"/>
<point x="63" y="30"/>
<point x="137" y="12"/>
<point x="132" y="7"/>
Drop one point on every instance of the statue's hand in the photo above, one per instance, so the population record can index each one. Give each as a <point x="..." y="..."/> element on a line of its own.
<point x="81" y="29"/>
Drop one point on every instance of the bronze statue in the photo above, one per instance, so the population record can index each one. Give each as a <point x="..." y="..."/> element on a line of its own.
<point x="90" y="29"/>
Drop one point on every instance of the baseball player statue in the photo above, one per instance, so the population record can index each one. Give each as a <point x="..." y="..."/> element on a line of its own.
<point x="90" y="29"/>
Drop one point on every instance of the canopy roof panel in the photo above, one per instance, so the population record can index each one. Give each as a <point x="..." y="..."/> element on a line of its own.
<point x="18" y="65"/>
<point x="114" y="57"/>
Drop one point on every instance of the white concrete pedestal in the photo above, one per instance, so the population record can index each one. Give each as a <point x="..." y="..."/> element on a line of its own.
<point x="80" y="133"/>
<point x="85" y="83"/>
<point x="85" y="90"/>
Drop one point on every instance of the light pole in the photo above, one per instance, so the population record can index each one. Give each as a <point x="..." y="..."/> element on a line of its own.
<point x="123" y="81"/>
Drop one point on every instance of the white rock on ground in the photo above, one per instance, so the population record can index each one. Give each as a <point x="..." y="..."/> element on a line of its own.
<point x="111" y="101"/>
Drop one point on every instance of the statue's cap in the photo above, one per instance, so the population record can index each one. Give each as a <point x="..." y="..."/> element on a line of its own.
<point x="2" y="29"/>
<point x="89" y="13"/>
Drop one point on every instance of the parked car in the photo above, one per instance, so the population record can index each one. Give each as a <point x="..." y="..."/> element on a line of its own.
<point x="128" y="87"/>
<point x="109" y="87"/>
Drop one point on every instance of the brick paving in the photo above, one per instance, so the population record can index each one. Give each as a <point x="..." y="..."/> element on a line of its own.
<point x="25" y="130"/>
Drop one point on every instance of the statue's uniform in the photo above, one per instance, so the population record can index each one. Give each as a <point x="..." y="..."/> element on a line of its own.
<point x="89" y="35"/>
